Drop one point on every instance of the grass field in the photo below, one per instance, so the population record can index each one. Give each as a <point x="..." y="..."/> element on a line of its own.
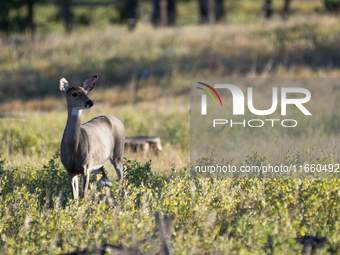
<point x="144" y="80"/>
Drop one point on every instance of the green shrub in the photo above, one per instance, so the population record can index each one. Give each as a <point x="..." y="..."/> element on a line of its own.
<point x="136" y="173"/>
<point x="227" y="216"/>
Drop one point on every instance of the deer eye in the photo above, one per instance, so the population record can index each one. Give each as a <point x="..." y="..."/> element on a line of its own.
<point x="74" y="94"/>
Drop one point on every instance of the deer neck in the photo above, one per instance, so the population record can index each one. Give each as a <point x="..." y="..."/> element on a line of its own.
<point x="72" y="131"/>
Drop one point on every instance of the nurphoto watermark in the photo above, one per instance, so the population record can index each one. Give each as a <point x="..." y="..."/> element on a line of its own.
<point x="253" y="127"/>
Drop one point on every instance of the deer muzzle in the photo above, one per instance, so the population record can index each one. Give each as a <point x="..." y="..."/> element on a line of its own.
<point x="89" y="104"/>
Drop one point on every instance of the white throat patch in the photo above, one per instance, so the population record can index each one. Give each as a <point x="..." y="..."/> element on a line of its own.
<point x="77" y="111"/>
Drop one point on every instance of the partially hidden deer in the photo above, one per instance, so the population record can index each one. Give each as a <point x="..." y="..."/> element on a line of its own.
<point x="85" y="148"/>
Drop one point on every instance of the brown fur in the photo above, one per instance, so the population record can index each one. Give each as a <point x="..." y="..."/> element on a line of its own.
<point x="87" y="147"/>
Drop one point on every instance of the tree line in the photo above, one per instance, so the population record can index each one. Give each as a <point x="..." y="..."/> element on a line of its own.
<point x="164" y="12"/>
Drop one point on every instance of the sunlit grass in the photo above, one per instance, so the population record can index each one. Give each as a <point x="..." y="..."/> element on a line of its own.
<point x="29" y="135"/>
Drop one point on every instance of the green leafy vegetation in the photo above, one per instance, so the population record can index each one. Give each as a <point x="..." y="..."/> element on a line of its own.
<point x="211" y="215"/>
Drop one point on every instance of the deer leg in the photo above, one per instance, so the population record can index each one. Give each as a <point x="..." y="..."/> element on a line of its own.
<point x="104" y="181"/>
<point x="85" y="184"/>
<point x="74" y="186"/>
<point x="76" y="182"/>
<point x="118" y="158"/>
<point x="118" y="165"/>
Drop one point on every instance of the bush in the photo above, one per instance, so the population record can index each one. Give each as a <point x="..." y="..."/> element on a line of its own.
<point x="136" y="173"/>
<point x="222" y="216"/>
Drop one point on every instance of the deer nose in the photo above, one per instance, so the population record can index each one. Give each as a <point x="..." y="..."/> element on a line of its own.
<point x="89" y="104"/>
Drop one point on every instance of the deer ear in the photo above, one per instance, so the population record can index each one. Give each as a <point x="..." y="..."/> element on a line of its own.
<point x="63" y="86"/>
<point x="90" y="83"/>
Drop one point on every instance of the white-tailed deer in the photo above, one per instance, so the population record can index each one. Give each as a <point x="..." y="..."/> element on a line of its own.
<point x="85" y="148"/>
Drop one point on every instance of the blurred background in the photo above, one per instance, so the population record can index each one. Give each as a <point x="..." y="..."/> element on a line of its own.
<point x="42" y="39"/>
<point x="145" y="53"/>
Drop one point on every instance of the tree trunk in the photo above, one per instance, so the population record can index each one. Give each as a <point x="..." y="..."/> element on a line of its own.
<point x="171" y="8"/>
<point x="67" y="15"/>
<point x="131" y="12"/>
<point x="204" y="11"/>
<point x="285" y="11"/>
<point x="268" y="8"/>
<point x="156" y="16"/>
<point x="219" y="10"/>
<point x="30" y="15"/>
